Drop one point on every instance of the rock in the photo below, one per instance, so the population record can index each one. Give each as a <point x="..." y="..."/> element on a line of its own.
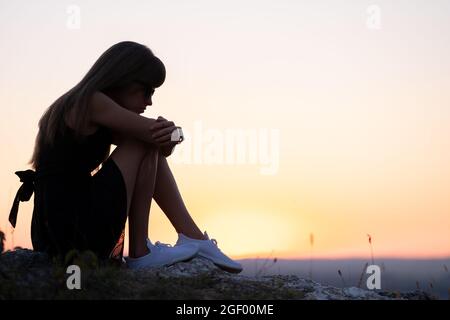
<point x="25" y="274"/>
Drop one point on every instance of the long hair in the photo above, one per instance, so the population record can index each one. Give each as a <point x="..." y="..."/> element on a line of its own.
<point x="119" y="66"/>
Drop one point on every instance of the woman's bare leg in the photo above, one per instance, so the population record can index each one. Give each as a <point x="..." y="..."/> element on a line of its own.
<point x="169" y="199"/>
<point x="140" y="204"/>
<point x="137" y="163"/>
<point x="147" y="175"/>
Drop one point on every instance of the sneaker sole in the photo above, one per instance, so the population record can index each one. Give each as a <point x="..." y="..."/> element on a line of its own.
<point x="223" y="267"/>
<point x="228" y="269"/>
<point x="187" y="259"/>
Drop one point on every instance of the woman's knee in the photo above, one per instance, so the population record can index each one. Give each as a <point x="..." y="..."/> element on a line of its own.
<point x="150" y="159"/>
<point x="132" y="152"/>
<point x="152" y="151"/>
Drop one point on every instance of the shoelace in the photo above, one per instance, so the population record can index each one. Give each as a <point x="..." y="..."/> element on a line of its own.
<point x="212" y="240"/>
<point x="160" y="244"/>
<point x="215" y="243"/>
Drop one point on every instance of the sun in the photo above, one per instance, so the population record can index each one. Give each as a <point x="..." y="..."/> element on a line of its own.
<point x="250" y="233"/>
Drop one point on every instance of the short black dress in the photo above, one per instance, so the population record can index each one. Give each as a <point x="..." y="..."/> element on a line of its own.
<point x="73" y="207"/>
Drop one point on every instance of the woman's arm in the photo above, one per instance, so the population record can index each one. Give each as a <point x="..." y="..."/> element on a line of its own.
<point x="106" y="112"/>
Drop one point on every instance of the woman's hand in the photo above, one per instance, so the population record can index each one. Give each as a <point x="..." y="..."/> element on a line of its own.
<point x="162" y="130"/>
<point x="161" y="133"/>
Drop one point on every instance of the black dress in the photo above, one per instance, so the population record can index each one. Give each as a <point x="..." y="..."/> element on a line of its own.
<point x="74" y="209"/>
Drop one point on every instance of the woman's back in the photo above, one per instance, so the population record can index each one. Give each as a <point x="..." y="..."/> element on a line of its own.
<point x="67" y="155"/>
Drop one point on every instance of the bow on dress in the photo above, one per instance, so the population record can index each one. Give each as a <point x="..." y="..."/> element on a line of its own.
<point x="23" y="194"/>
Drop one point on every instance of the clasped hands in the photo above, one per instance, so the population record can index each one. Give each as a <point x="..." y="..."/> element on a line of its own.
<point x="161" y="132"/>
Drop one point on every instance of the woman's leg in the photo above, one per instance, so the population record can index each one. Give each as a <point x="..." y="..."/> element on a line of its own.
<point x="169" y="199"/>
<point x="147" y="174"/>
<point x="129" y="156"/>
<point x="140" y="204"/>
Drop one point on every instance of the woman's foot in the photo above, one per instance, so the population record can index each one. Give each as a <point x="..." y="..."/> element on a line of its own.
<point x="208" y="249"/>
<point x="162" y="255"/>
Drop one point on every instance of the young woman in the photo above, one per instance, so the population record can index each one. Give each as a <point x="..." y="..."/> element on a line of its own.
<point x="75" y="208"/>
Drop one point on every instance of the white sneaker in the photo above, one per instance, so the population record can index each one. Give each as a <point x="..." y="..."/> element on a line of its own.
<point x="162" y="254"/>
<point x="210" y="250"/>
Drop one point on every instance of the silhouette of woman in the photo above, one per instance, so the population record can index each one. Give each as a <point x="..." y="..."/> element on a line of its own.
<point x="79" y="206"/>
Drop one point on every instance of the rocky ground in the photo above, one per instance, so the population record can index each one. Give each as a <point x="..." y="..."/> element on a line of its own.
<point x="25" y="274"/>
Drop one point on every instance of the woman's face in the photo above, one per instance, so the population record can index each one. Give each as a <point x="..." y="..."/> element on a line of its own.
<point x="135" y="97"/>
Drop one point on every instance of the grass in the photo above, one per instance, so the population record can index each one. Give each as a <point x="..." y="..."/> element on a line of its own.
<point x="265" y="266"/>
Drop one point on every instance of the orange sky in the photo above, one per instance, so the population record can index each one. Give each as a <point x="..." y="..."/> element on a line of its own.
<point x="352" y="124"/>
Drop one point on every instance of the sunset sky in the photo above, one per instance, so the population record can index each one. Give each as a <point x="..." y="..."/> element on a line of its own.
<point x="348" y="122"/>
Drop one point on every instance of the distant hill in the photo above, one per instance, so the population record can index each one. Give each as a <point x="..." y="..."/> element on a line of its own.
<point x="430" y="275"/>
